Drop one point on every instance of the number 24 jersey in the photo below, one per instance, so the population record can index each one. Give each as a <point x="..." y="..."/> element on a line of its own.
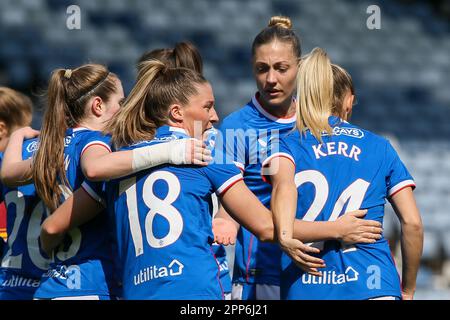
<point x="351" y="169"/>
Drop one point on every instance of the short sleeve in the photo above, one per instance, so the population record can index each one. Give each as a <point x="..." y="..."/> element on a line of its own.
<point x="95" y="138"/>
<point x="222" y="175"/>
<point x="397" y="176"/>
<point x="97" y="190"/>
<point x="277" y="147"/>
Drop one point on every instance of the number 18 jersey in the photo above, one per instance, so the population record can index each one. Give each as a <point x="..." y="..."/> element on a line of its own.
<point x="164" y="227"/>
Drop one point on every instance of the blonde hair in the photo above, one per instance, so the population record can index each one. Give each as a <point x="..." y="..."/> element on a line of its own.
<point x="279" y="28"/>
<point x="314" y="93"/>
<point x="146" y="108"/>
<point x="67" y="95"/>
<point x="321" y="88"/>
<point x="280" y="21"/>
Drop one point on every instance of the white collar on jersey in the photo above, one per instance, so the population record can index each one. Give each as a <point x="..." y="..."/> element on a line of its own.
<point x="270" y="116"/>
<point x="176" y="129"/>
<point x="79" y="129"/>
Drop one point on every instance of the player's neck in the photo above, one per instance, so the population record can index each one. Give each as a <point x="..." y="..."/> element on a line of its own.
<point x="284" y="110"/>
<point x="91" y="125"/>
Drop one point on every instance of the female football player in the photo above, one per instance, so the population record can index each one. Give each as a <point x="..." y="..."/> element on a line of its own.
<point x="329" y="166"/>
<point x="71" y="149"/>
<point x="22" y="262"/>
<point x="163" y="216"/>
<point x="276" y="51"/>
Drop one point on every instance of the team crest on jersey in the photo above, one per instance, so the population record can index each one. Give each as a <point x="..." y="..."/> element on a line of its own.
<point x="350" y="132"/>
<point x="32" y="147"/>
<point x="67" y="140"/>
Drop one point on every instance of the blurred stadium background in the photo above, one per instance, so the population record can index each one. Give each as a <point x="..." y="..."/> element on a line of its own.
<point x="401" y="73"/>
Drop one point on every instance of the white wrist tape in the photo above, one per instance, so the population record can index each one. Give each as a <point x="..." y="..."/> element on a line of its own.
<point x="173" y="152"/>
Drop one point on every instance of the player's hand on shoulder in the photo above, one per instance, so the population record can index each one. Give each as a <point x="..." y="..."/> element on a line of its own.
<point x="26" y="133"/>
<point x="189" y="151"/>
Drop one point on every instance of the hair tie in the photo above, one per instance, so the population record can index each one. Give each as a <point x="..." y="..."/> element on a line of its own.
<point x="68" y="73"/>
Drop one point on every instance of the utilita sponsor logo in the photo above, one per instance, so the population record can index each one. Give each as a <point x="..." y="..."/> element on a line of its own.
<point x="18" y="281"/>
<point x="331" y="277"/>
<point x="175" y="268"/>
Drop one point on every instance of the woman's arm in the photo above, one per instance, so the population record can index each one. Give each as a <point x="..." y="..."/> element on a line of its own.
<point x="284" y="207"/>
<point x="350" y="228"/>
<point x="78" y="209"/>
<point x="254" y="216"/>
<point x="405" y="207"/>
<point x="15" y="171"/>
<point x="98" y="164"/>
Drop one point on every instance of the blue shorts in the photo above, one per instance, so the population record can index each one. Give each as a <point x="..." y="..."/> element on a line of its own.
<point x="255" y="291"/>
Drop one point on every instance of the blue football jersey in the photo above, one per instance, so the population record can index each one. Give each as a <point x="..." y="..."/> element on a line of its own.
<point x="220" y="253"/>
<point x="164" y="227"/>
<point x="83" y="263"/>
<point x="221" y="256"/>
<point x="23" y="262"/>
<point x="245" y="134"/>
<point x="352" y="169"/>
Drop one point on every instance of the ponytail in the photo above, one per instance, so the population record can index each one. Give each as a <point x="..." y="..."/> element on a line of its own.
<point x="183" y="55"/>
<point x="147" y="107"/>
<point x="68" y="93"/>
<point x="314" y="93"/>
<point x="48" y="174"/>
<point x="131" y="123"/>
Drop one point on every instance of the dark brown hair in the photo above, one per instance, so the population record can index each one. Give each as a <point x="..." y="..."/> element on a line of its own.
<point x="342" y="83"/>
<point x="184" y="55"/>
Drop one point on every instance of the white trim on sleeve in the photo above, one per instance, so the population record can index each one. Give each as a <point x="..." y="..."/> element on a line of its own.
<point x="275" y="155"/>
<point x="96" y="142"/>
<point x="400" y="186"/>
<point x="229" y="183"/>
<point x="239" y="165"/>
<point x="93" y="194"/>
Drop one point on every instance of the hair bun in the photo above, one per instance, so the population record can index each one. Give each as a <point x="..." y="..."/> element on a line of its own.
<point x="280" y="21"/>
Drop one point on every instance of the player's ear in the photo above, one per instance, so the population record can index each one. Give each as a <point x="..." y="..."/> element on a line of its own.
<point x="348" y="103"/>
<point x="97" y="106"/>
<point x="176" y="112"/>
<point x="4" y="135"/>
<point x="4" y="131"/>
